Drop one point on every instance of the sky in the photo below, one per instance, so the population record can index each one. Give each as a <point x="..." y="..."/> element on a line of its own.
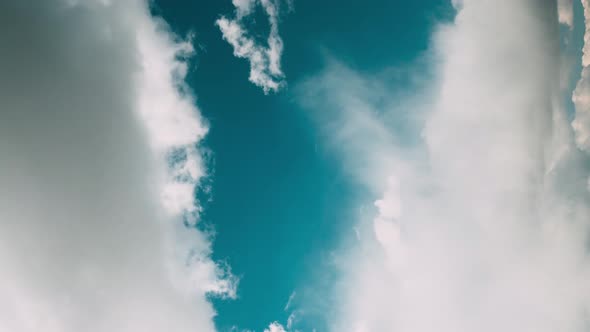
<point x="294" y="165"/>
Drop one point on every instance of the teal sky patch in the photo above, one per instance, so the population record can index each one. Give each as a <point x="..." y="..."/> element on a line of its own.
<point x="280" y="201"/>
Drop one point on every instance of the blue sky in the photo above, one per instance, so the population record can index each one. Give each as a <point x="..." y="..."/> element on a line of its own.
<point x="290" y="200"/>
<point x="294" y="165"/>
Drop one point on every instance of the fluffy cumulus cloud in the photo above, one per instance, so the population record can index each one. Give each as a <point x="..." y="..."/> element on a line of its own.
<point x="481" y="210"/>
<point x="100" y="159"/>
<point x="265" y="60"/>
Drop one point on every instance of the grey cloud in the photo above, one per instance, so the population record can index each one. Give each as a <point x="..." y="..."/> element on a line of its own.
<point x="84" y="239"/>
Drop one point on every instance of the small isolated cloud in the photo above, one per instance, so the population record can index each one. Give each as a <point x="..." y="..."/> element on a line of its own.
<point x="265" y="60"/>
<point x="275" y="327"/>
<point x="100" y="148"/>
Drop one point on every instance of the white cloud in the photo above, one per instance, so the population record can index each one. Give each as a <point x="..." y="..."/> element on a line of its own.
<point x="275" y="327"/>
<point x="581" y="95"/>
<point x="481" y="217"/>
<point x="265" y="61"/>
<point x="290" y="301"/>
<point x="100" y="157"/>
<point x="291" y="320"/>
<point x="565" y="12"/>
<point x="243" y="7"/>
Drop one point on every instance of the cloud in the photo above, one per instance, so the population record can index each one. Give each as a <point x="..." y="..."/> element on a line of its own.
<point x="275" y="327"/>
<point x="480" y="213"/>
<point x="290" y="301"/>
<point x="100" y="150"/>
<point x="243" y="7"/>
<point x="565" y="12"/>
<point x="265" y="61"/>
<point x="581" y="95"/>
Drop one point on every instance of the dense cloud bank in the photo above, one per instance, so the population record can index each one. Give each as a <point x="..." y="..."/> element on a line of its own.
<point x="92" y="234"/>
<point x="481" y="222"/>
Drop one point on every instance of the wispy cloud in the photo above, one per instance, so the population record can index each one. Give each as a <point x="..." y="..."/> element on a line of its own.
<point x="480" y="217"/>
<point x="290" y="301"/>
<point x="581" y="95"/>
<point x="101" y="156"/>
<point x="265" y="60"/>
